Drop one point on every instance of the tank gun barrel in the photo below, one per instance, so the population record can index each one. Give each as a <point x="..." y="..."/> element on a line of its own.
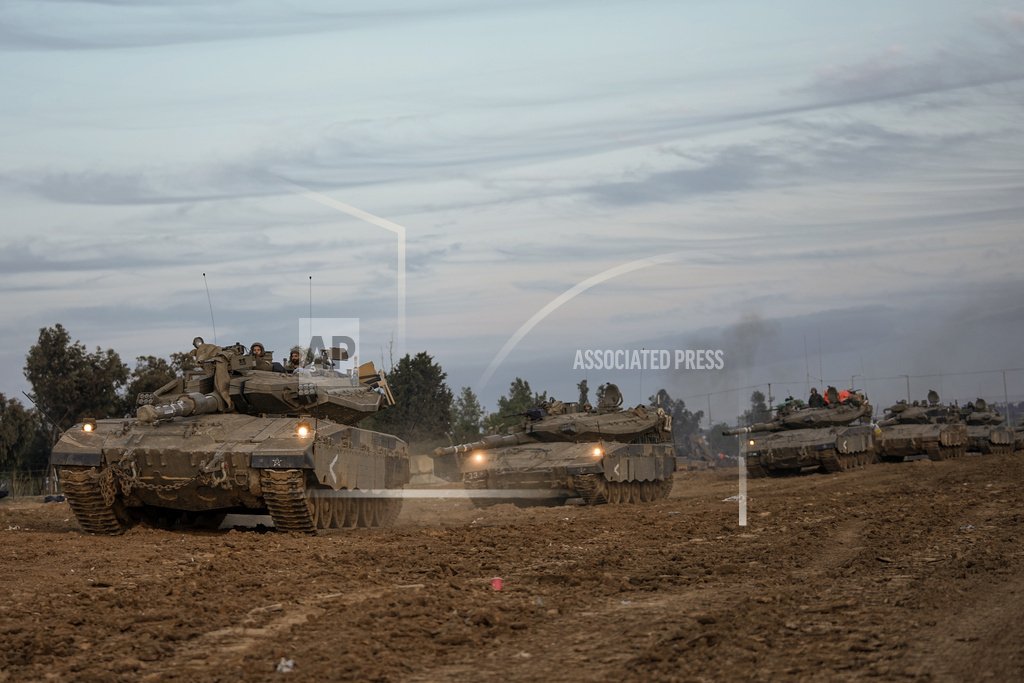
<point x="486" y="443"/>
<point x="187" y="404"/>
<point x="759" y="427"/>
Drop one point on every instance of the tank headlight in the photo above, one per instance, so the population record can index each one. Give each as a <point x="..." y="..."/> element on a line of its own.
<point x="88" y="425"/>
<point x="478" y="457"/>
<point x="303" y="429"/>
<point x="751" y="442"/>
<point x="598" y="452"/>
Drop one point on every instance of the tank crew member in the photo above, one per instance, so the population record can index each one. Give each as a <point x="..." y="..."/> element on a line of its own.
<point x="264" y="359"/>
<point x="815" y="400"/>
<point x="294" y="361"/>
<point x="259" y="353"/>
<point x="204" y="353"/>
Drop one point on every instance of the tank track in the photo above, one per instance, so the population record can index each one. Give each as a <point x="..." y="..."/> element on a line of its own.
<point x="591" y="488"/>
<point x="937" y="452"/>
<point x="392" y="508"/>
<point x="284" y="492"/>
<point x="84" y="491"/>
<point x="830" y="462"/>
<point x="755" y="470"/>
<point x="478" y="485"/>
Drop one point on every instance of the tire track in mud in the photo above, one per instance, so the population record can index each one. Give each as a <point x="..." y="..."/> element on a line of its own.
<point x="913" y="570"/>
<point x="214" y="650"/>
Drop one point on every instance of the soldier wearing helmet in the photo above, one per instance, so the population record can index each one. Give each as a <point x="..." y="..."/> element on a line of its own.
<point x="261" y="356"/>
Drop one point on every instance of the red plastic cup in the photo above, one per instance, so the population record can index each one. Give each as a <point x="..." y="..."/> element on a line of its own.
<point x="496" y="583"/>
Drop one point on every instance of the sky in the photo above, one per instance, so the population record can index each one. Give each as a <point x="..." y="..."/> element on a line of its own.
<point x="826" y="192"/>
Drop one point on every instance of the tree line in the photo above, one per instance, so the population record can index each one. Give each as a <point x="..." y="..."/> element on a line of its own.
<point x="69" y="383"/>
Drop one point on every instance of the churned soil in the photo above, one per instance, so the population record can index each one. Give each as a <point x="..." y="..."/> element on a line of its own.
<point x="893" y="572"/>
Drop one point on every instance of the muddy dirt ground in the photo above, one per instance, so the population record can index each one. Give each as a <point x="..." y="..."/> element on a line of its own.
<point x="893" y="572"/>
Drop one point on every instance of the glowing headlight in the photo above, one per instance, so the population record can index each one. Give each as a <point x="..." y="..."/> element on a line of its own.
<point x="478" y="457"/>
<point x="303" y="429"/>
<point x="598" y="452"/>
<point x="751" y="442"/>
<point x="88" y="425"/>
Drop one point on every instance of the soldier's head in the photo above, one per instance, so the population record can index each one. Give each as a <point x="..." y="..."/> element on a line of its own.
<point x="257" y="349"/>
<point x="295" y="357"/>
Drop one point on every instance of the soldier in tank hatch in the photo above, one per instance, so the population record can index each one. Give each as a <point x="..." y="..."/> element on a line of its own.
<point x="815" y="400"/>
<point x="264" y="358"/>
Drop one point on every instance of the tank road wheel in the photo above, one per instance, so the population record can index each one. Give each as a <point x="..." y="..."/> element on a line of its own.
<point x="634" y="492"/>
<point x="337" y="513"/>
<point x="647" y="491"/>
<point x="351" y="512"/>
<point x="313" y="505"/>
<point x="625" y="492"/>
<point x="326" y="505"/>
<point x="369" y="512"/>
<point x="613" y="493"/>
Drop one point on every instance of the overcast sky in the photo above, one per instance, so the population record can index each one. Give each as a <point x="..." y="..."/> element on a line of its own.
<point x="776" y="173"/>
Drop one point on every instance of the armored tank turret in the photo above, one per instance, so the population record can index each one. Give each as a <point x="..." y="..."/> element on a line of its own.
<point x="987" y="431"/>
<point x="608" y="455"/>
<point x="802" y="436"/>
<point x="230" y="437"/>
<point x="922" y="428"/>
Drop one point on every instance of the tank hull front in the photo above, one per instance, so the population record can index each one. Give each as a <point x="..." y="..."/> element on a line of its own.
<point x="126" y="471"/>
<point x="939" y="441"/>
<point x="991" y="439"/>
<point x="829" y="449"/>
<point x="551" y="473"/>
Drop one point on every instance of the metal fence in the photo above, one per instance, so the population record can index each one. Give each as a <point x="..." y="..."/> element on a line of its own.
<point x="22" y="483"/>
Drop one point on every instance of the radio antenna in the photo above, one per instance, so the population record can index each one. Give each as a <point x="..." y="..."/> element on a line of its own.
<point x="310" y="299"/>
<point x="210" y="301"/>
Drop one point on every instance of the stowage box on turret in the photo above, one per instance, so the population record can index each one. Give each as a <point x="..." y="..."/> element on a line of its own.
<point x="608" y="455"/>
<point x="803" y="436"/>
<point x="918" y="429"/>
<point x="230" y="438"/>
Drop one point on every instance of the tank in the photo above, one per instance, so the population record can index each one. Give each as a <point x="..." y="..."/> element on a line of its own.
<point x="925" y="428"/>
<point x="801" y="436"/>
<point x="230" y="437"/>
<point x="987" y="430"/>
<point x="607" y="455"/>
